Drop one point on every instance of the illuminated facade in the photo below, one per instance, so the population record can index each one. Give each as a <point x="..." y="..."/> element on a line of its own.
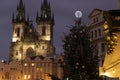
<point x="26" y="40"/>
<point x="42" y="68"/>
<point x="32" y="54"/>
<point x="10" y="71"/>
<point x="111" y="66"/>
<point x="104" y="29"/>
<point x="34" y="68"/>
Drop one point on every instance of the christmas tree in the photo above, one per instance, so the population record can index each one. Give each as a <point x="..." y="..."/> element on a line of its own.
<point x="80" y="64"/>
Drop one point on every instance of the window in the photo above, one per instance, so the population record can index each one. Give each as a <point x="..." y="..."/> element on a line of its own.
<point x="96" y="19"/>
<point x="18" y="32"/>
<point x="92" y="34"/>
<point x="43" y="47"/>
<point x="102" y="47"/>
<point x="43" y="30"/>
<point x="99" y="30"/>
<point x="95" y="33"/>
<point x="93" y="20"/>
<point x="17" y="53"/>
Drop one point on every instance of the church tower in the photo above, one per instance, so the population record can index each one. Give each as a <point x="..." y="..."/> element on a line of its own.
<point x="45" y="22"/>
<point x="18" y="23"/>
<point x="26" y="40"/>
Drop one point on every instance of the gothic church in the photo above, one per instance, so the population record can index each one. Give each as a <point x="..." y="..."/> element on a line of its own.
<point x="26" y="40"/>
<point x="32" y="54"/>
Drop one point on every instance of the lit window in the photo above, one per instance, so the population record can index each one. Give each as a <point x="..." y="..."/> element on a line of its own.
<point x="38" y="69"/>
<point x="25" y="76"/>
<point x="25" y="64"/>
<point x="32" y="64"/>
<point x="28" y="76"/>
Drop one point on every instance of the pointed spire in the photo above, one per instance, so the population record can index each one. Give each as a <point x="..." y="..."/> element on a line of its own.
<point x="49" y="5"/>
<point x="45" y="2"/>
<point x="28" y="18"/>
<point x="12" y="17"/>
<point x="21" y="4"/>
<point x="37" y="16"/>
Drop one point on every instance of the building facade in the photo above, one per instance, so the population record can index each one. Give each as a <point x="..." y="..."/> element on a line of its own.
<point x="32" y="54"/>
<point x="97" y="34"/>
<point x="104" y="29"/>
<point x="26" y="40"/>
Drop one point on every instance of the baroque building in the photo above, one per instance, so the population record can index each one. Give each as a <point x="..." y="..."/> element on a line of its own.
<point x="32" y="54"/>
<point x="26" y="40"/>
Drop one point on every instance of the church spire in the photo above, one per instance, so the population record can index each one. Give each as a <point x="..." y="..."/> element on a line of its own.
<point x="20" y="13"/>
<point x="45" y="2"/>
<point x="45" y="10"/>
<point x="21" y="4"/>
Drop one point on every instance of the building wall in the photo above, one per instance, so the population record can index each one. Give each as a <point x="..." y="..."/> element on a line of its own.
<point x="96" y="27"/>
<point x="11" y="71"/>
<point x="32" y="69"/>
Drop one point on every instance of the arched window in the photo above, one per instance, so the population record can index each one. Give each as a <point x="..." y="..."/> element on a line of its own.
<point x="43" y="30"/>
<point x="17" y="31"/>
<point x="30" y="52"/>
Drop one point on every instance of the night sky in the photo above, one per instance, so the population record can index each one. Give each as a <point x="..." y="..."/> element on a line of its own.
<point x="63" y="12"/>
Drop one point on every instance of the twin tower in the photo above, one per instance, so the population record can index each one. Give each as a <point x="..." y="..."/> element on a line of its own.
<point x="28" y="41"/>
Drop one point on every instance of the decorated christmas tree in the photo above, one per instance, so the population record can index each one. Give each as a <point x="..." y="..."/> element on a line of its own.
<point x="80" y="64"/>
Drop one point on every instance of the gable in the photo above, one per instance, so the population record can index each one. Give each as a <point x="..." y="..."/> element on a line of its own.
<point x="95" y="12"/>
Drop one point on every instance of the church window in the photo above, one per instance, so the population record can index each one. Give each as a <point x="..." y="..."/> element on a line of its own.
<point x="43" y="30"/>
<point x="17" y="53"/>
<point x="18" y="32"/>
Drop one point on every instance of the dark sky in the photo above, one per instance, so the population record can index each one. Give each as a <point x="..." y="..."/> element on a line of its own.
<point x="63" y="12"/>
